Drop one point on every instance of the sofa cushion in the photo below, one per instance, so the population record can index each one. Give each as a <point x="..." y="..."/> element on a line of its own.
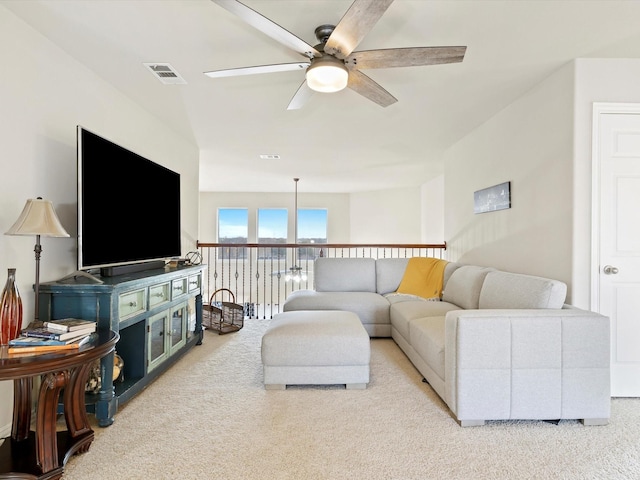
<point x="427" y="337"/>
<point x="514" y="290"/>
<point x="345" y="275"/>
<point x="370" y="307"/>
<point x="402" y="313"/>
<point x="389" y="272"/>
<point x="464" y="286"/>
<point x="448" y="271"/>
<point x="395" y="297"/>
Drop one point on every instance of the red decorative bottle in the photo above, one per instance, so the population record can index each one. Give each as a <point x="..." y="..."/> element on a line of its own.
<point x="10" y="309"/>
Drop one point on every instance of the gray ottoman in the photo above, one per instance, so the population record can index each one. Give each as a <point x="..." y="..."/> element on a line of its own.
<point x="319" y="347"/>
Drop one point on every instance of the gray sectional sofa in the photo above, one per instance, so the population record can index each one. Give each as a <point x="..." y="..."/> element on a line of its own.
<point x="496" y="346"/>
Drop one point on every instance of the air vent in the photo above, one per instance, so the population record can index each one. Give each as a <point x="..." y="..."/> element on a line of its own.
<point x="270" y="156"/>
<point x="165" y="73"/>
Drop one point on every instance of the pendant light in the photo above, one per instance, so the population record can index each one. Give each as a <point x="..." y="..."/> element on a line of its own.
<point x="295" y="272"/>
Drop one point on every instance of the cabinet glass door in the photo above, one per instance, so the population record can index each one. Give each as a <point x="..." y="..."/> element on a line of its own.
<point x="178" y="327"/>
<point x="158" y="349"/>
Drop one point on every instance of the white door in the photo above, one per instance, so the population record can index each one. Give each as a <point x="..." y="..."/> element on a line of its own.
<point x="619" y="245"/>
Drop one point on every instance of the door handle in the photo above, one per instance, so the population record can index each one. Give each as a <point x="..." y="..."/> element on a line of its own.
<point x="609" y="270"/>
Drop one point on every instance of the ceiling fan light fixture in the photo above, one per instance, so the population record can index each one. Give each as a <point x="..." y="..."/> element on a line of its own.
<point x="327" y="75"/>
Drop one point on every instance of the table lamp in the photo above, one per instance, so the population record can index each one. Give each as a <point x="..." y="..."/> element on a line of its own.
<point x="38" y="218"/>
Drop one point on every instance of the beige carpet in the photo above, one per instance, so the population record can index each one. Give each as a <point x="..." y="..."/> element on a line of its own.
<point x="209" y="417"/>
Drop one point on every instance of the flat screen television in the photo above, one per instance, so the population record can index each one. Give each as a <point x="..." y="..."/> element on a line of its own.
<point x="128" y="206"/>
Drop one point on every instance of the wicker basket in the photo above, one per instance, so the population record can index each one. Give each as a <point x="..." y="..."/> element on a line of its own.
<point x="223" y="317"/>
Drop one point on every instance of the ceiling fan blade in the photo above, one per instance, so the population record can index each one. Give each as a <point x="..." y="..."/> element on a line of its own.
<point x="268" y="27"/>
<point x="236" y="72"/>
<point x="405" y="57"/>
<point x="354" y="25"/>
<point x="302" y="95"/>
<point x="366" y="87"/>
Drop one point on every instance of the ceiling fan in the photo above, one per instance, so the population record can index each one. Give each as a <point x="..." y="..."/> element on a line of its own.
<point x="333" y="64"/>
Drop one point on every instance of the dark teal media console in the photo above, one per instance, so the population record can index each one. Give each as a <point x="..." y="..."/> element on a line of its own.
<point x="157" y="313"/>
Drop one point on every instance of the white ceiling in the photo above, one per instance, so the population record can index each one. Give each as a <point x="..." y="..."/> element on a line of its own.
<point x="338" y="142"/>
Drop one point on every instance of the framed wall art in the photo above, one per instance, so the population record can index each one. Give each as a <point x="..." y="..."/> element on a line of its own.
<point x="493" y="198"/>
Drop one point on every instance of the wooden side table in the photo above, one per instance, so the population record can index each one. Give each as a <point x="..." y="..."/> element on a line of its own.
<point x="42" y="454"/>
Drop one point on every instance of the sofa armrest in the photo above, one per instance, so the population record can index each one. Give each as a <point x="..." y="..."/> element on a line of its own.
<point x="527" y="364"/>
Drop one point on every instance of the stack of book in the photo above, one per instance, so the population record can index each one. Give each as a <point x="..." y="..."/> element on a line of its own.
<point x="54" y="335"/>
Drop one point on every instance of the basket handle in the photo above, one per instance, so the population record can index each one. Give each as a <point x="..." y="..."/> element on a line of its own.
<point x="233" y="297"/>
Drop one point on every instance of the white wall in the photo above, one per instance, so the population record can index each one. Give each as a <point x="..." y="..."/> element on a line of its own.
<point x="529" y="143"/>
<point x="542" y="143"/>
<point x="432" y="203"/>
<point x="597" y="80"/>
<point x="44" y="94"/>
<point x="386" y="216"/>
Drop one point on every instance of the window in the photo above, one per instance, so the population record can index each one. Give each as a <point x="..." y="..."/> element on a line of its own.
<point x="312" y="228"/>
<point x="233" y="227"/>
<point x="272" y="228"/>
<point x="312" y="225"/>
<point x="272" y="225"/>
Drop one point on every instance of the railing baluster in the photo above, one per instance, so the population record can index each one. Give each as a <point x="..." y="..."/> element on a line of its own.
<point x="264" y="284"/>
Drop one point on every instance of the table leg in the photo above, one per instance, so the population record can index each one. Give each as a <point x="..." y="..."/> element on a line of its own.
<point x="46" y="436"/>
<point x="21" y="408"/>
<point x="75" y="412"/>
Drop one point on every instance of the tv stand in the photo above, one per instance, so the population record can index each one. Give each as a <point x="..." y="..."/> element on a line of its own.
<point x="157" y="313"/>
<point x="131" y="268"/>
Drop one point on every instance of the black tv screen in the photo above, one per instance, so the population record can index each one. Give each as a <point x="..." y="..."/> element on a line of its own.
<point x="128" y="206"/>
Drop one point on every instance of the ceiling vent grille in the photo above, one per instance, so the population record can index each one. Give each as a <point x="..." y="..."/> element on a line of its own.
<point x="165" y="73"/>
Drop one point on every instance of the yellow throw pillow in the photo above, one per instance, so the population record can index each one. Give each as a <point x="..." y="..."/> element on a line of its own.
<point x="423" y="277"/>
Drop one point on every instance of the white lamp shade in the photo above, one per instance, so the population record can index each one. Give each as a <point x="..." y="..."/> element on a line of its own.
<point x="38" y="218"/>
<point x="327" y="75"/>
